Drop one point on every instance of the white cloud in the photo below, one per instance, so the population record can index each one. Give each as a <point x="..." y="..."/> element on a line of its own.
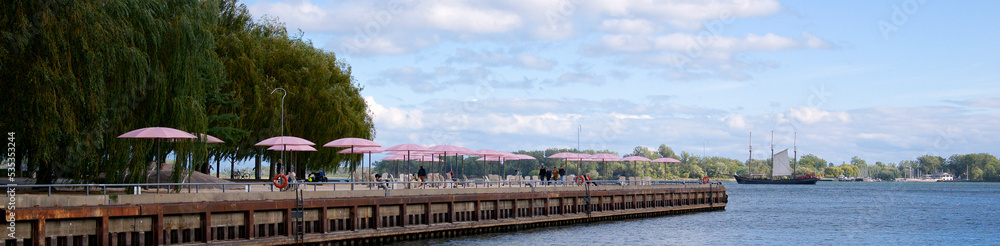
<point x="532" y="61"/>
<point x="393" y="117"/>
<point x="693" y="43"/>
<point x="293" y="13"/>
<point x="630" y="116"/>
<point x="406" y="27"/>
<point x="501" y="58"/>
<point x="627" y="26"/>
<point x="459" y="17"/>
<point x="684" y="14"/>
<point x="735" y="121"/>
<point x="581" y="78"/>
<point x="814" y="42"/>
<point x="685" y="56"/>
<point x="810" y="115"/>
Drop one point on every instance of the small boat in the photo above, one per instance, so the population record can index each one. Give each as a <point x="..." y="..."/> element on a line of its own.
<point x="779" y="169"/>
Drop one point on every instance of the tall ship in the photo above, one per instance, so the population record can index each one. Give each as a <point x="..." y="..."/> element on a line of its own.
<point x="781" y="171"/>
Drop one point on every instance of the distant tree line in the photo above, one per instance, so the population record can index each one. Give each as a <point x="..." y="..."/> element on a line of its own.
<point x="79" y="73"/>
<point x="981" y="166"/>
<point x="691" y="167"/>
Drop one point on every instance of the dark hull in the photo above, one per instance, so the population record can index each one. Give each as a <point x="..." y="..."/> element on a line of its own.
<point x="744" y="180"/>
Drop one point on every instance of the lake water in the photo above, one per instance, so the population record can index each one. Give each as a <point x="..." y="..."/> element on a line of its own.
<point x="845" y="213"/>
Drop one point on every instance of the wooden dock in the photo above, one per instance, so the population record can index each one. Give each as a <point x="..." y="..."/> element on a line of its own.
<point x="340" y="217"/>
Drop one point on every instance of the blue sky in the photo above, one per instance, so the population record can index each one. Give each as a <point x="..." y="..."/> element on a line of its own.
<point x="882" y="80"/>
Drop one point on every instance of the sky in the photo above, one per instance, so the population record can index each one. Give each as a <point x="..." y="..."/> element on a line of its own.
<point x="884" y="80"/>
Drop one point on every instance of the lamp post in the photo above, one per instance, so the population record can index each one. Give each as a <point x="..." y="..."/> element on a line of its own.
<point x="283" y="94"/>
<point x="579" y="128"/>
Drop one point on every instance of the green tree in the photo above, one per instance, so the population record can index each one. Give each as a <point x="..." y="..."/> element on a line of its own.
<point x="87" y="71"/>
<point x="665" y="151"/>
<point x="857" y="161"/>
<point x="930" y="164"/>
<point x="810" y="160"/>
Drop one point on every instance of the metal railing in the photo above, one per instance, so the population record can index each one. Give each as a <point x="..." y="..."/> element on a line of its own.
<point x="327" y="186"/>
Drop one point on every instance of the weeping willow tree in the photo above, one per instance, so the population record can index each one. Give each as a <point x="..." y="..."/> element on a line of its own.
<point x="323" y="103"/>
<point x="80" y="73"/>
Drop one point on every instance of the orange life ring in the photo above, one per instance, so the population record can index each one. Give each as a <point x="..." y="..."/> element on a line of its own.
<point x="704" y="179"/>
<point x="579" y="179"/>
<point x="280" y="181"/>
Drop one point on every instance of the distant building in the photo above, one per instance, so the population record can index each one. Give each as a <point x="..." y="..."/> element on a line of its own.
<point x="940" y="176"/>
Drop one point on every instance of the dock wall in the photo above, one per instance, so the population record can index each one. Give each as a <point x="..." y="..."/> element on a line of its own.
<point x="340" y="217"/>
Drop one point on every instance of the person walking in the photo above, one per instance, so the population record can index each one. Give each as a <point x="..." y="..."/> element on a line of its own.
<point x="562" y="173"/>
<point x="548" y="176"/>
<point x="422" y="175"/>
<point x="541" y="174"/>
<point x="555" y="176"/>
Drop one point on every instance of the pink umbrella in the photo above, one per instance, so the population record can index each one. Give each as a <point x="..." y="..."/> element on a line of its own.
<point x="421" y="157"/>
<point x="445" y="149"/>
<point x="524" y="157"/>
<point x="563" y="155"/>
<point x="157" y="133"/>
<point x="485" y="159"/>
<point x="364" y="150"/>
<point x="427" y="158"/>
<point x="295" y="148"/>
<point x="489" y="158"/>
<point x="395" y="158"/>
<point x="208" y="138"/>
<point x="504" y="157"/>
<point x="291" y="148"/>
<point x="634" y="159"/>
<point x="284" y="140"/>
<point x="487" y="153"/>
<point x="666" y="160"/>
<point x="604" y="158"/>
<point x="351" y="143"/>
<point x="580" y="158"/>
<point x="568" y="156"/>
<point x="408" y="148"/>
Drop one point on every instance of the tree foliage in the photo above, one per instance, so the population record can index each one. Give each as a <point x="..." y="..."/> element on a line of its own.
<point x="80" y="73"/>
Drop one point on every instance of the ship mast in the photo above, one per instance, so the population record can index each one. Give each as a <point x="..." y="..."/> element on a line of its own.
<point x="772" y="154"/>
<point x="795" y="144"/>
<point x="750" y="159"/>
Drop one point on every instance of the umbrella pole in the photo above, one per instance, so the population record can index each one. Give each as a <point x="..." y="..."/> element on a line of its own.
<point x="354" y="167"/>
<point x="158" y="160"/>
